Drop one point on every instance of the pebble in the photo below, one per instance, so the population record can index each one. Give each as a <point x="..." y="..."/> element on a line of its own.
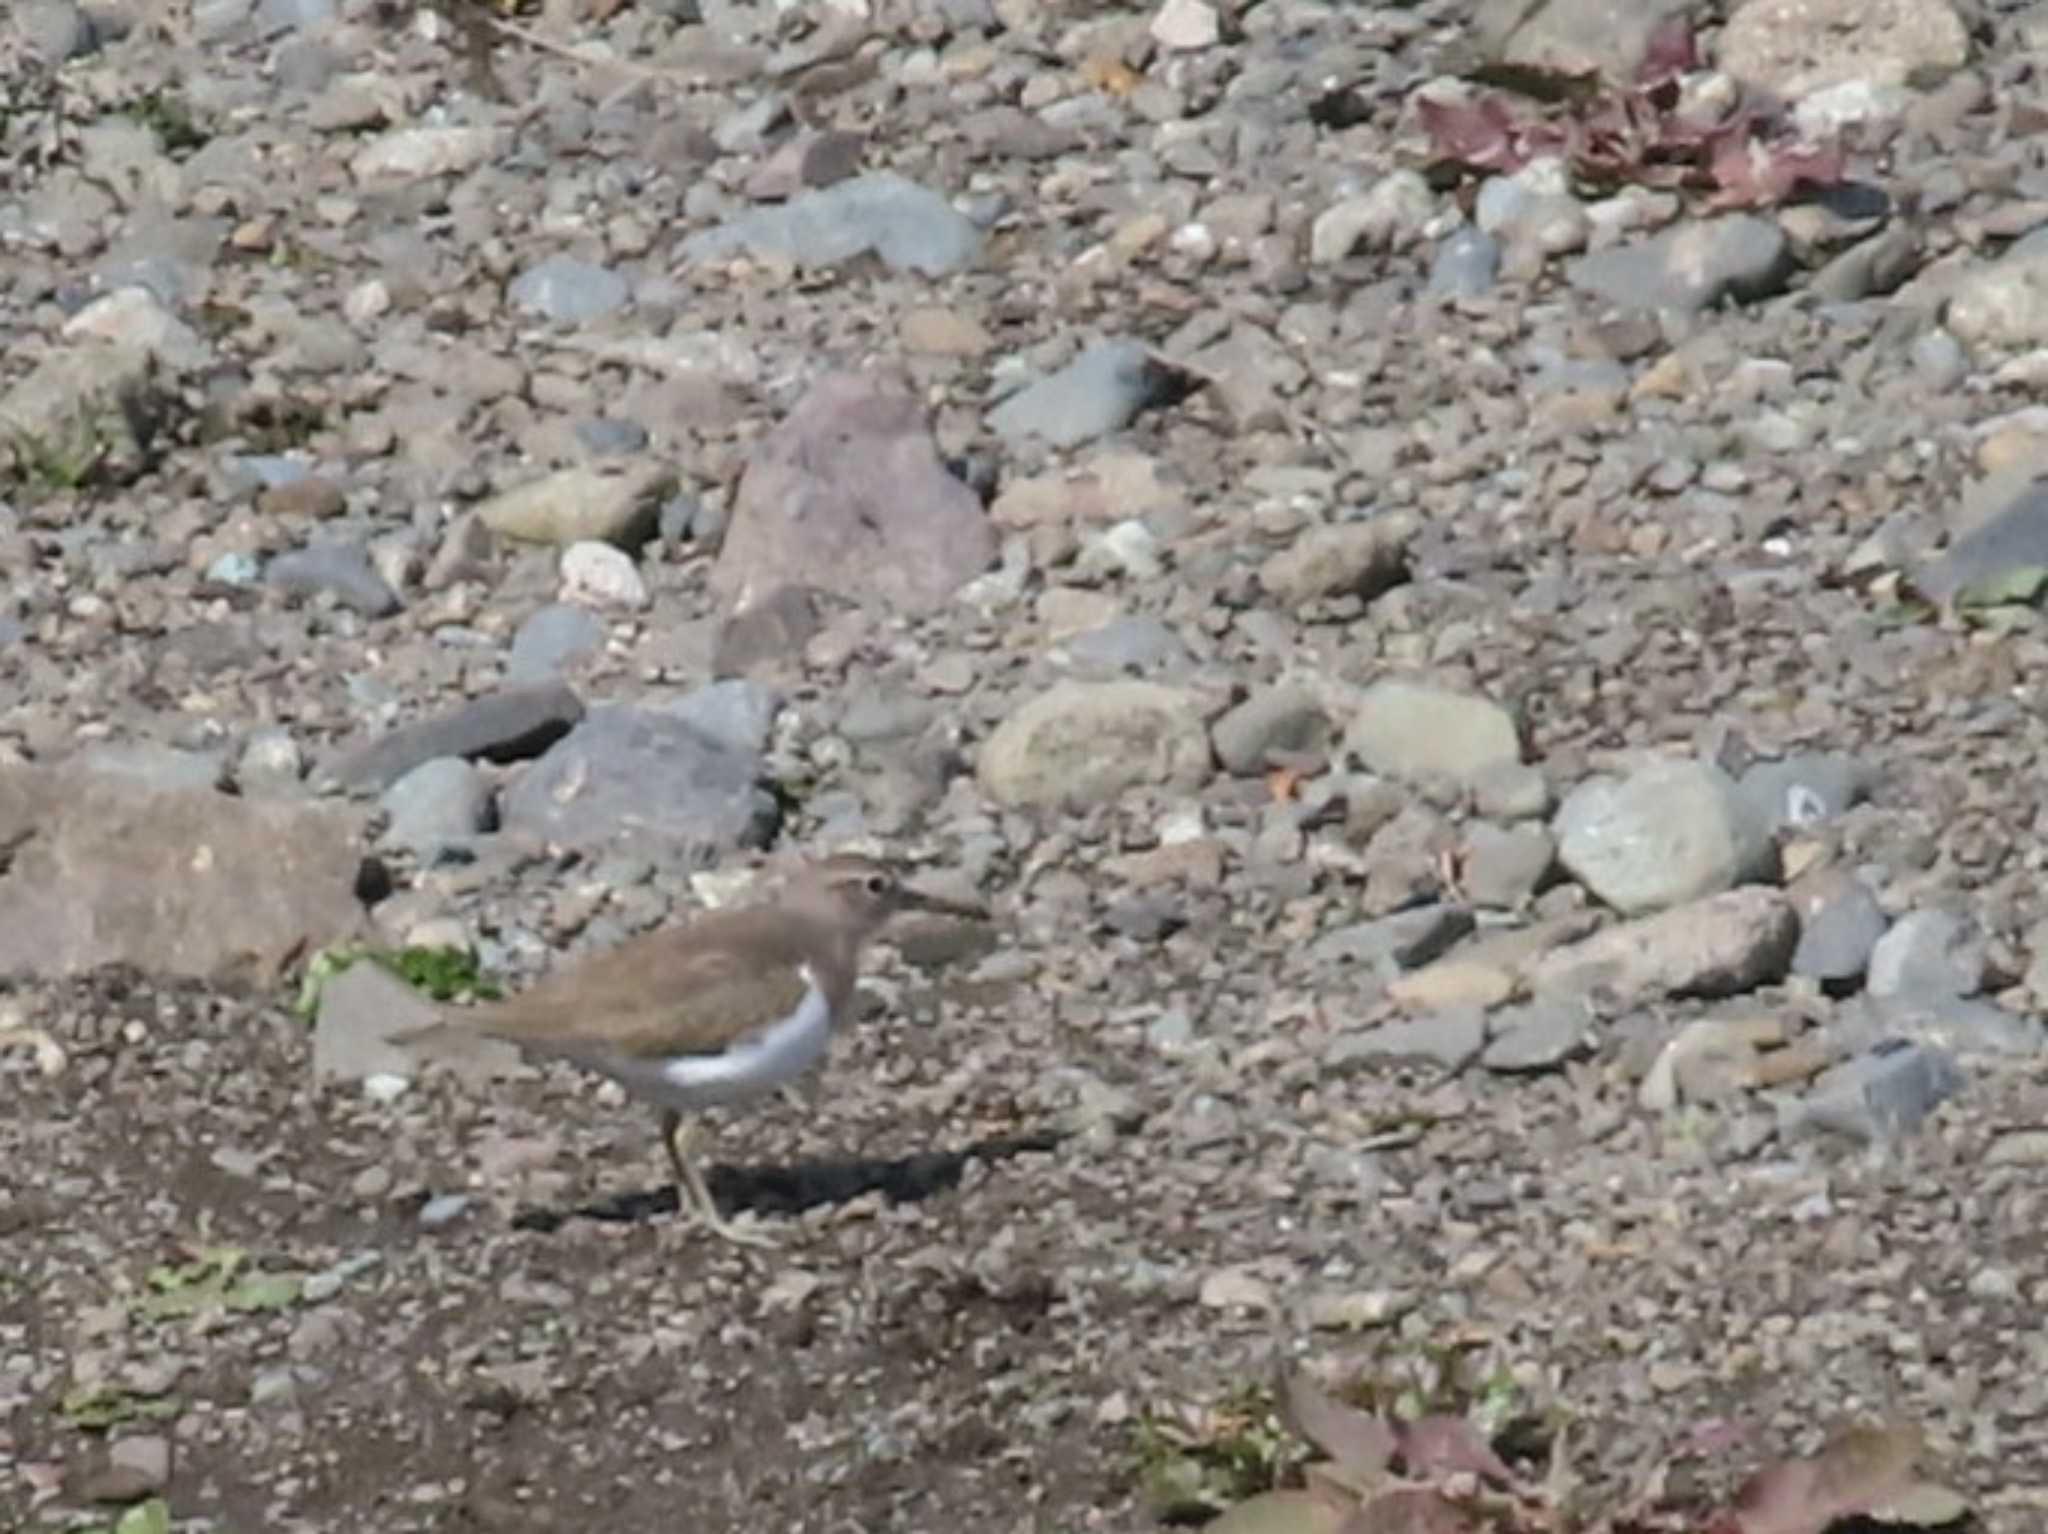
<point x="1929" y="953"/>
<point x="1350" y="559"/>
<point x="620" y="506"/>
<point x="340" y="570"/>
<point x="552" y="639"/>
<point x="1084" y="743"/>
<point x="1414" y="730"/>
<point x="1282" y="721"/>
<point x="599" y="575"/>
<point x="1465" y="266"/>
<point x="439" y="804"/>
<point x="910" y="228"/>
<point x="1840" y="922"/>
<point x="1690" y="267"/>
<point x="568" y="291"/>
<point x="1099" y="392"/>
<point x="444" y="1209"/>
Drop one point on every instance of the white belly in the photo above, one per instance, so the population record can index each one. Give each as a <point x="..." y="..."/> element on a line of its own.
<point x="773" y="1057"/>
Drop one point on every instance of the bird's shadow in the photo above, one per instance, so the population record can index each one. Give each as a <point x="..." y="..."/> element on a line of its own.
<point x="793" y="1188"/>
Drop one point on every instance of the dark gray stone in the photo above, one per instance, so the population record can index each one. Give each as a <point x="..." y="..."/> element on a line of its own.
<point x="648" y="776"/>
<point x="508" y="725"/>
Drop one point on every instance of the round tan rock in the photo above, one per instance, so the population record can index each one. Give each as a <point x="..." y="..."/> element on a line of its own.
<point x="1084" y="743"/>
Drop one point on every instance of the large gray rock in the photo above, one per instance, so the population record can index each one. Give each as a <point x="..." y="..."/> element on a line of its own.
<point x="184" y="882"/>
<point x="645" y="776"/>
<point x="1669" y="833"/>
<point x="1794" y="48"/>
<point x="848" y="495"/>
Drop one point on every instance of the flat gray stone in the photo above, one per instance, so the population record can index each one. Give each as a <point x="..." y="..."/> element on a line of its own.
<point x="646" y="777"/>
<point x="508" y="725"/>
<point x="440" y="803"/>
<point x="1099" y="392"/>
<point x="911" y="228"/>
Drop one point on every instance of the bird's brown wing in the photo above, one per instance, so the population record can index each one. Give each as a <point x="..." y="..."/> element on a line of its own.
<point x="688" y="992"/>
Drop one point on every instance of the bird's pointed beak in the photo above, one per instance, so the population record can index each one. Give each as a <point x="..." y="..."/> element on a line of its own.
<point x="910" y="898"/>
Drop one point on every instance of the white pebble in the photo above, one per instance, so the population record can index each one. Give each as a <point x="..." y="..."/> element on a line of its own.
<point x="598" y="575"/>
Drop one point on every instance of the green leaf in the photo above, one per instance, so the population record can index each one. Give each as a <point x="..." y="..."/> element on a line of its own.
<point x="320" y="969"/>
<point x="98" y="1407"/>
<point x="441" y="973"/>
<point x="211" y="1282"/>
<point x="151" y="1517"/>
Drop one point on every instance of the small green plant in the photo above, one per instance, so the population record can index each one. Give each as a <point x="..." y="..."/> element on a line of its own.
<point x="218" y="1278"/>
<point x="169" y="117"/>
<point x="443" y="974"/>
<point x="63" y="461"/>
<point x="151" y="1517"/>
<point x="1196" y="1461"/>
<point x="95" y="1408"/>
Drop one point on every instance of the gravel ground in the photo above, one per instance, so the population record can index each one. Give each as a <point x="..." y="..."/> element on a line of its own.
<point x="1488" y="702"/>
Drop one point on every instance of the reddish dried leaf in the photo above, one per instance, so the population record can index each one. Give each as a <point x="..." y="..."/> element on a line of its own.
<point x="1409" y="1510"/>
<point x="1860" y="1469"/>
<point x="1671" y="51"/>
<point x="1358" y="1441"/>
<point x="1752" y="173"/>
<point x="1474" y="130"/>
<point x="1446" y="1445"/>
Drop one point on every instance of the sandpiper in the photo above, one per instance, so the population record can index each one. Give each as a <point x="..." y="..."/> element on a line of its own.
<point x="719" y="1011"/>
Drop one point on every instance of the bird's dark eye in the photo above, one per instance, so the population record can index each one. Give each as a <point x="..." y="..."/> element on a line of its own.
<point x="877" y="884"/>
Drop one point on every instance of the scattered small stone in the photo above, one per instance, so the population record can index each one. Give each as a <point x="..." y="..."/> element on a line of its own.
<point x="568" y="291"/>
<point x="440" y="803"/>
<point x="1840" y="923"/>
<point x="910" y="228"/>
<point x="444" y="1209"/>
<point x="1272" y="724"/>
<point x="1927" y="954"/>
<point x="1099" y="392"/>
<point x="552" y="639"/>
<point x="583" y="504"/>
<point x="1879" y="1098"/>
<point x="1689" y="267"/>
<point x="341" y="570"/>
<point x="599" y="575"/>
<point x="1351" y="559"/>
<point x="1538" y="1036"/>
<point x="1450" y="1039"/>
<point x="508" y="725"/>
<point x="1503" y="867"/>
